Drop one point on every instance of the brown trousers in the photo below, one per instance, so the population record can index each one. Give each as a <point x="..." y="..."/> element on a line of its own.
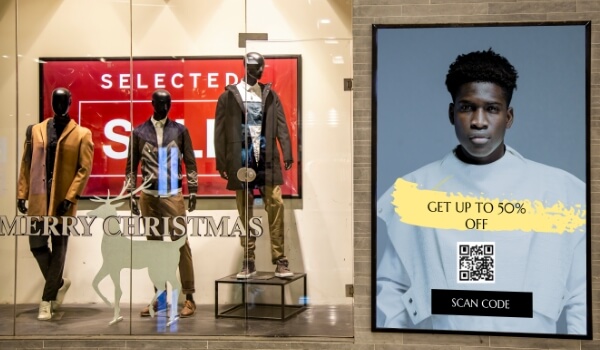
<point x="274" y="207"/>
<point x="171" y="207"/>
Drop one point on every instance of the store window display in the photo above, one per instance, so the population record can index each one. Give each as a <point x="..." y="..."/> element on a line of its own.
<point x="112" y="82"/>
<point x="161" y="145"/>
<point x="249" y="123"/>
<point x="55" y="167"/>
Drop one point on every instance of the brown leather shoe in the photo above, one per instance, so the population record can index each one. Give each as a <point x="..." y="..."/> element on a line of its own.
<point x="146" y="310"/>
<point x="189" y="308"/>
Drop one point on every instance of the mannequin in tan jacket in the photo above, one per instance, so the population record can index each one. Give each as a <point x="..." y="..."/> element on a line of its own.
<point x="56" y="164"/>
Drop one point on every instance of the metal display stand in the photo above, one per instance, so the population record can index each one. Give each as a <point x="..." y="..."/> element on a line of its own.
<point x="281" y="311"/>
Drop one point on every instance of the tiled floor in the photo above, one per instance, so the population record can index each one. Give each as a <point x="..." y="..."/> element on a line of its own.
<point x="315" y="321"/>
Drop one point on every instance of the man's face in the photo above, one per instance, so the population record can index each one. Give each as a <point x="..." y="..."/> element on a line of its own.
<point x="480" y="115"/>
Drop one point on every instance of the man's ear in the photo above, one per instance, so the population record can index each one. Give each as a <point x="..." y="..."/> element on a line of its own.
<point x="510" y="117"/>
<point x="451" y="113"/>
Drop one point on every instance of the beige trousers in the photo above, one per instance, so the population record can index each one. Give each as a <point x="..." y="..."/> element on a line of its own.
<point x="274" y="207"/>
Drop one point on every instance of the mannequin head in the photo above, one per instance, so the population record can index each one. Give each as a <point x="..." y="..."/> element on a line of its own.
<point x="161" y="102"/>
<point x="61" y="101"/>
<point x="255" y="65"/>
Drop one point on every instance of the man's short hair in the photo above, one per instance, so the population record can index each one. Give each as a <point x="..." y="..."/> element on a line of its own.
<point x="482" y="66"/>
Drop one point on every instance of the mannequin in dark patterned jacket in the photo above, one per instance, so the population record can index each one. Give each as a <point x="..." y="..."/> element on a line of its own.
<point x="160" y="145"/>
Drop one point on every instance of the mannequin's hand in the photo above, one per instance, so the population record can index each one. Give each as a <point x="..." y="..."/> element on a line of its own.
<point x="22" y="206"/>
<point x="135" y="210"/>
<point x="288" y="164"/>
<point x="192" y="203"/>
<point x="63" y="207"/>
<point x="223" y="175"/>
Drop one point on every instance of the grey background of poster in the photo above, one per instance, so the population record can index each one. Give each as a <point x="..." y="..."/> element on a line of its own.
<point x="411" y="100"/>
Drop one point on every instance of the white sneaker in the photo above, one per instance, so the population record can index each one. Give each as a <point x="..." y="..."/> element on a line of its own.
<point x="60" y="296"/>
<point x="45" y="311"/>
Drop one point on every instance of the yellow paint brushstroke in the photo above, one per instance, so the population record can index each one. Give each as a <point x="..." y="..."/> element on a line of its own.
<point x="454" y="211"/>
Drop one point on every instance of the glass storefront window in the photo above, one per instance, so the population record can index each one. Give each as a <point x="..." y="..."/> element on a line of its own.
<point x="153" y="85"/>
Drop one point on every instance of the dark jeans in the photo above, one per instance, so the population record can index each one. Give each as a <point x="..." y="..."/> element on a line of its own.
<point x="51" y="262"/>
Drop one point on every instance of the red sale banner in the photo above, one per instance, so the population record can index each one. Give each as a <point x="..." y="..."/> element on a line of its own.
<point x="111" y="96"/>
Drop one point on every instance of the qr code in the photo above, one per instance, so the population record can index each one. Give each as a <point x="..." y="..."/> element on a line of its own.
<point x="476" y="262"/>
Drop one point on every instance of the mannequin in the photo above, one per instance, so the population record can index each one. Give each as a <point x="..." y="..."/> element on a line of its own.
<point x="61" y="101"/>
<point x="152" y="144"/>
<point x="249" y="122"/>
<point x="59" y="152"/>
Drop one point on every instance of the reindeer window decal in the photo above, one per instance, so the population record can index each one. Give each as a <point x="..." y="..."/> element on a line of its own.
<point x="119" y="252"/>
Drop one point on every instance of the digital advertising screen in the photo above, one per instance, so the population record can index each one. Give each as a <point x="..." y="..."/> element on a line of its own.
<point x="111" y="96"/>
<point x="481" y="189"/>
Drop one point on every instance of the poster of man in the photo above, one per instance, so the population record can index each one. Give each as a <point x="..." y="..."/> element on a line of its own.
<point x="480" y="175"/>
